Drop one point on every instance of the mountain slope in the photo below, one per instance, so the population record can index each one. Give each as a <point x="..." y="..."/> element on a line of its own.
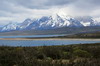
<point x="10" y="27"/>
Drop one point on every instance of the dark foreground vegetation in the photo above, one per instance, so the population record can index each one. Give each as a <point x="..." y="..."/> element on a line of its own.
<point x="65" y="55"/>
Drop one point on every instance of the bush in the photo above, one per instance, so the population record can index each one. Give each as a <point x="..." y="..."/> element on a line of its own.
<point x="81" y="53"/>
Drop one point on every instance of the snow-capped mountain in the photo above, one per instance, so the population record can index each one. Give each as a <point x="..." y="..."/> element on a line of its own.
<point x="10" y="27"/>
<point x="26" y="23"/>
<point x="53" y="21"/>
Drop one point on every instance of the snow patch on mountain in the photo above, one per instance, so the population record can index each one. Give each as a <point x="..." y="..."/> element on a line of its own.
<point x="96" y="21"/>
<point x="85" y="23"/>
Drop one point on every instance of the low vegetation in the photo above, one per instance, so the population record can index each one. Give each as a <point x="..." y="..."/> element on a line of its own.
<point x="88" y="35"/>
<point x="91" y="35"/>
<point x="65" y="55"/>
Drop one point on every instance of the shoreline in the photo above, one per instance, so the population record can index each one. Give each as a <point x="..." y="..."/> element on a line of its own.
<point x="94" y="39"/>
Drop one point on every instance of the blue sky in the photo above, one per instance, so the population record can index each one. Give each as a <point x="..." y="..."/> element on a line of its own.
<point x="19" y="10"/>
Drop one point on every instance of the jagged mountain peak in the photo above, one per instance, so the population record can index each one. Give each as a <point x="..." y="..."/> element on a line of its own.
<point x="63" y="16"/>
<point x="27" y="20"/>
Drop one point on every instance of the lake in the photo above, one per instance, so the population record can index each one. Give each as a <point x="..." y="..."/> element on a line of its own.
<point x="32" y="36"/>
<point x="27" y="43"/>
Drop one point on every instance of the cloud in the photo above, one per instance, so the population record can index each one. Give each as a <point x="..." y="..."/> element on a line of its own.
<point x="19" y="10"/>
<point x="40" y="4"/>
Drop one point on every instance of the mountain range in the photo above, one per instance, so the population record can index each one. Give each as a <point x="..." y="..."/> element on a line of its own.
<point x="52" y="22"/>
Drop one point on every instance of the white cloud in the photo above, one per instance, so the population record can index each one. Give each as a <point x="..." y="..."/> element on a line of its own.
<point x="19" y="10"/>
